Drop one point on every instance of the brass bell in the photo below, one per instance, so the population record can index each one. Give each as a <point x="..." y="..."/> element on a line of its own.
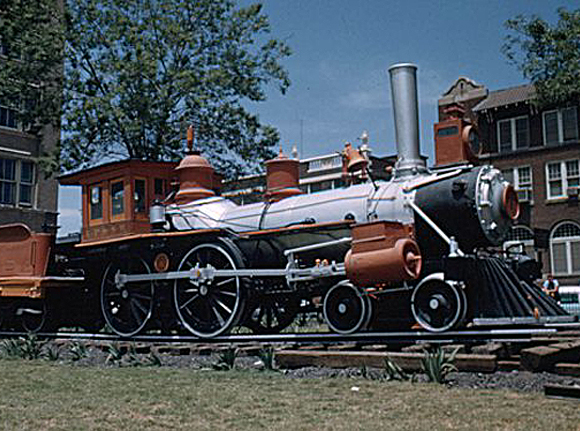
<point x="354" y="159"/>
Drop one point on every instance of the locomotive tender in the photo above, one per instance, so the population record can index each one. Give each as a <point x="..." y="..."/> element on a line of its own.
<point x="373" y="255"/>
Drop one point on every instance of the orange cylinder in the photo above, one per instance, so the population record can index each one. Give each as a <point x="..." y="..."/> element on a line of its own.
<point x="387" y="265"/>
<point x="282" y="178"/>
<point x="195" y="179"/>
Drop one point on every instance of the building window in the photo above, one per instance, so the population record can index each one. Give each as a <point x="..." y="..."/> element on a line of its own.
<point x="513" y="134"/>
<point x="521" y="178"/>
<point x="26" y="186"/>
<point x="17" y="182"/>
<point x="8" y="117"/>
<point x="565" y="249"/>
<point x="520" y="239"/>
<point x="325" y="163"/>
<point x="560" y="126"/>
<point x="320" y="186"/>
<point x="96" y="205"/>
<point x="339" y="183"/>
<point x="117" y="198"/>
<point x="7" y="181"/>
<point x="562" y="177"/>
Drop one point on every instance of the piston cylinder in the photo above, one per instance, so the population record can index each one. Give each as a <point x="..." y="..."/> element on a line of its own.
<point x="382" y="253"/>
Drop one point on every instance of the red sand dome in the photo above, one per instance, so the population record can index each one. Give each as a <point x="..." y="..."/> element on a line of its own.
<point x="195" y="175"/>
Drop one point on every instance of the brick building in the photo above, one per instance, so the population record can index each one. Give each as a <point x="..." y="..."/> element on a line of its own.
<point x="26" y="195"/>
<point x="538" y="150"/>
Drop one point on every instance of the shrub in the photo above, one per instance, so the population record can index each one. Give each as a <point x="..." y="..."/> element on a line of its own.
<point x="10" y="348"/>
<point x="78" y="351"/>
<point x="437" y="365"/>
<point x="115" y="353"/>
<point x="267" y="356"/>
<point x="226" y="359"/>
<point x="393" y="371"/>
<point x="51" y="353"/>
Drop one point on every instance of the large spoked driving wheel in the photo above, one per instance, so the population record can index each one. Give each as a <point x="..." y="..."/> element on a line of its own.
<point x="126" y="308"/>
<point x="438" y="305"/>
<point x="346" y="309"/>
<point x="209" y="307"/>
<point x="272" y="313"/>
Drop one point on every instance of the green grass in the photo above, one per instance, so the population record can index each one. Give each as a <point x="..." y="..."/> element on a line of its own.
<point x="40" y="396"/>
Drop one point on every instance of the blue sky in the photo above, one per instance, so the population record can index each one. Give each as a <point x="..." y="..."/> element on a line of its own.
<point x="341" y="52"/>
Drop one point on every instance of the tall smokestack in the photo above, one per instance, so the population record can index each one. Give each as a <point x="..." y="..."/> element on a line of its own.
<point x="404" y="95"/>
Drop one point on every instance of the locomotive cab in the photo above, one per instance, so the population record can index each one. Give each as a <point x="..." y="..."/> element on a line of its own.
<point x="116" y="197"/>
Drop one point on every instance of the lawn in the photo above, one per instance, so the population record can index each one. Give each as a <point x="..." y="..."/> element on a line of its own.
<point x="44" y="396"/>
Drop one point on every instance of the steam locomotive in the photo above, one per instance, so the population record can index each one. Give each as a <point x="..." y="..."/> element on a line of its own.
<point x="414" y="250"/>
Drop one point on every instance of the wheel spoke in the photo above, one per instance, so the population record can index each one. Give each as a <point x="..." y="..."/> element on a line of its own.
<point x="189" y="301"/>
<point x="140" y="307"/>
<point x="141" y="296"/>
<point x="224" y="306"/>
<point x="134" y="312"/>
<point x="221" y="283"/>
<point x="218" y="315"/>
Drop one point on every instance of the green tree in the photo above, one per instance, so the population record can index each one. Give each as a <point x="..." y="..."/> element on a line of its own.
<point x="138" y="71"/>
<point x="31" y="59"/>
<point x="548" y="55"/>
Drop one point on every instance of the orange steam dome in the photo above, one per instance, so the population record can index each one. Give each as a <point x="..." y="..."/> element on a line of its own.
<point x="282" y="178"/>
<point x="195" y="175"/>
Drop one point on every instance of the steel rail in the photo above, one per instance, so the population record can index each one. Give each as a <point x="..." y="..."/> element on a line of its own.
<point x="487" y="335"/>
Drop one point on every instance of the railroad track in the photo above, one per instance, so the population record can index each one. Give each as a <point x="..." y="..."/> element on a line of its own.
<point x="554" y="349"/>
<point x="403" y="337"/>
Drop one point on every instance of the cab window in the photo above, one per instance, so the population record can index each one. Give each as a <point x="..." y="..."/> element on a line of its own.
<point x="139" y="196"/>
<point x="117" y="198"/>
<point x="96" y="202"/>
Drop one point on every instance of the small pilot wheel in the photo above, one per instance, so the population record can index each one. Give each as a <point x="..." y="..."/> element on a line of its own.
<point x="272" y="313"/>
<point x="209" y="307"/>
<point x="33" y="315"/>
<point x="438" y="305"/>
<point x="346" y="309"/>
<point x="126" y="308"/>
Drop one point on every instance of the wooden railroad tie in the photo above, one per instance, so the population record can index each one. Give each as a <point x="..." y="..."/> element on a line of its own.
<point x="561" y="391"/>
<point x="545" y="358"/>
<point x="407" y="361"/>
